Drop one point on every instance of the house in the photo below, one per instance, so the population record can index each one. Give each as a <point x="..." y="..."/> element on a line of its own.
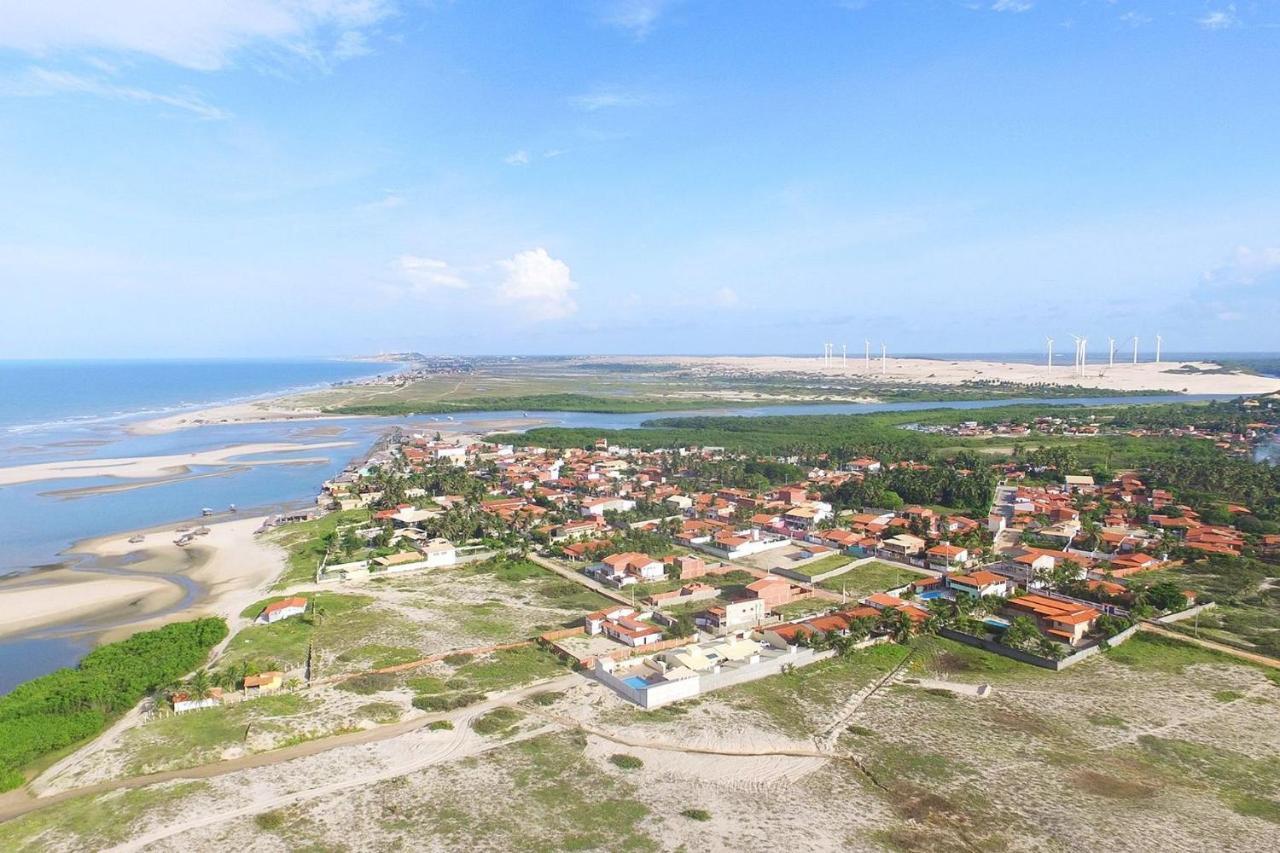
<point x="439" y="552"/>
<point x="1065" y="621"/>
<point x="267" y="682"/>
<point x="1079" y="483"/>
<point x="689" y="567"/>
<point x="627" y="568"/>
<point x="946" y="557"/>
<point x="595" y="620"/>
<point x="981" y="584"/>
<point x="599" y="506"/>
<point x="903" y="545"/>
<point x="740" y="613"/>
<point x="631" y="631"/>
<point x="775" y="591"/>
<point x="183" y="702"/>
<point x="282" y="609"/>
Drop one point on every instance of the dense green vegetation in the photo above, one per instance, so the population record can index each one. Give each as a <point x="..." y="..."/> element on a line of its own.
<point x="522" y="403"/>
<point x="68" y="705"/>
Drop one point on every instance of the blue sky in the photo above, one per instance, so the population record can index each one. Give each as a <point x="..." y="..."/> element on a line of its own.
<point x="316" y="177"/>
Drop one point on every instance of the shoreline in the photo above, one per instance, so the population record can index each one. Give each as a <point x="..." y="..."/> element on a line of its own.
<point x="134" y="587"/>
<point x="154" y="467"/>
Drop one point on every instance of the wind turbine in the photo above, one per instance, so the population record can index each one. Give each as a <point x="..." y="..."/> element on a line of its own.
<point x="1084" y="354"/>
<point x="1050" y="340"/>
<point x="868" y="343"/>
<point x="884" y="359"/>
<point x="1159" y="341"/>
<point x="1135" y="349"/>
<point x="1079" y="341"/>
<point x="844" y="356"/>
<point x="1111" y="359"/>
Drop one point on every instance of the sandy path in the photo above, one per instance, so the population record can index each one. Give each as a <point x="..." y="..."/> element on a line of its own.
<point x="419" y="750"/>
<point x="1209" y="644"/>
<point x="139" y="467"/>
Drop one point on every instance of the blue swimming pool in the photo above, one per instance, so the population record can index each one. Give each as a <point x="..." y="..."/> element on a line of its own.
<point x="994" y="622"/>
<point x="635" y="681"/>
<point x="925" y="596"/>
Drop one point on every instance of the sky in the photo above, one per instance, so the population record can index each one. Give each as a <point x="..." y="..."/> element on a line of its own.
<point x="338" y="177"/>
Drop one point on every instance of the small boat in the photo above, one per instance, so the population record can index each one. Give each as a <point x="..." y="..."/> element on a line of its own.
<point x="183" y="541"/>
<point x="231" y="508"/>
<point x="201" y="531"/>
<point x="183" y="529"/>
<point x="206" y="511"/>
<point x="134" y="540"/>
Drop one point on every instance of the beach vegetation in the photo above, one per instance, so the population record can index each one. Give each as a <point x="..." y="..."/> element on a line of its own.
<point x="68" y="705"/>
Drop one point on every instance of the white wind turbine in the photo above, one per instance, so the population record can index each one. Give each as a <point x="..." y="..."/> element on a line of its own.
<point x="1084" y="354"/>
<point x="844" y="356"/>
<point x="868" y="343"/>
<point x="1159" y="341"/>
<point x="1079" y="340"/>
<point x="1111" y="359"/>
<point x="884" y="359"/>
<point x="1050" y="341"/>
<point x="1135" y="349"/>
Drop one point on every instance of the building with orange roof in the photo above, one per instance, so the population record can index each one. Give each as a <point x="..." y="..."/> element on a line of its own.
<point x="1066" y="621"/>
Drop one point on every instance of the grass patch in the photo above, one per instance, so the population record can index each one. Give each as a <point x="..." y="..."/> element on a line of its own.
<point x="546" y="697"/>
<point x="270" y="821"/>
<point x="1113" y="720"/>
<point x="380" y="712"/>
<point x="368" y="683"/>
<point x="696" y="814"/>
<point x="440" y="726"/>
<point x="821" y="566"/>
<point x="447" y="701"/>
<point x="377" y="656"/>
<point x="499" y="722"/>
<point x="794" y="700"/>
<point x="625" y="762"/>
<point x="1165" y="654"/>
<point x="1256" y="807"/>
<point x="1102" y="785"/>
<point x="945" y="658"/>
<point x="509" y="668"/>
<point x="1228" y="695"/>
<point x="90" y="822"/>
<point x="872" y="577"/>
<point x="304" y="545"/>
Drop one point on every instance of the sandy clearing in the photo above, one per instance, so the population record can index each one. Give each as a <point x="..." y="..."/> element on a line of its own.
<point x="139" y="467"/>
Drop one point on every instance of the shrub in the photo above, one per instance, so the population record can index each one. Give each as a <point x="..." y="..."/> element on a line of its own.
<point x="626" y="762"/>
<point x="440" y="726"/>
<point x="269" y="820"/>
<point x="457" y="658"/>
<point x="697" y="814"/>
<point x="446" y="702"/>
<point x="367" y="683"/>
<point x="497" y="721"/>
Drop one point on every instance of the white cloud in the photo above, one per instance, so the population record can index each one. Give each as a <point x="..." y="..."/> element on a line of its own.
<point x="428" y="275"/>
<point x="1135" y="19"/>
<point x="1012" y="6"/>
<point x="1220" y="19"/>
<point x="42" y="82"/>
<point x="1245" y="268"/>
<point x="517" y="158"/>
<point x="198" y="34"/>
<point x="604" y="99"/>
<point x="635" y="16"/>
<point x="725" y="297"/>
<point x="540" y="286"/>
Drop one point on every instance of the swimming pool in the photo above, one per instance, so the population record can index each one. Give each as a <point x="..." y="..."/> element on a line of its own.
<point x="636" y="682"/>
<point x="926" y="596"/>
<point x="997" y="623"/>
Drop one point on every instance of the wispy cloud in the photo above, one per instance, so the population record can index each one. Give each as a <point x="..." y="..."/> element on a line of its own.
<point x="609" y="98"/>
<point x="1220" y="19"/>
<point x="43" y="82"/>
<point x="199" y="34"/>
<point x="1135" y="19"/>
<point x="517" y="158"/>
<point x="1012" y="6"/>
<point x="637" y="17"/>
<point x="427" y="275"/>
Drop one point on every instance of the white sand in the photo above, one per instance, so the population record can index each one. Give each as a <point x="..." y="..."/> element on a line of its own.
<point x="1123" y="377"/>
<point x="41" y="605"/>
<point x="1144" y="376"/>
<point x="141" y="467"/>
<point x="233" y="413"/>
<point x="232" y="566"/>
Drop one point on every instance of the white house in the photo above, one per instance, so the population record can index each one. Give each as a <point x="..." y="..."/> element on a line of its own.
<point x="282" y="609"/>
<point x="599" y="506"/>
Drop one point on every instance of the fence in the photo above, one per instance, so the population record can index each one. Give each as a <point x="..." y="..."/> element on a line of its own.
<point x="1034" y="659"/>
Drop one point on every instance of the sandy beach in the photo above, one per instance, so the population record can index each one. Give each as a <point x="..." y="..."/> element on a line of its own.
<point x="143" y="467"/>
<point x="267" y="411"/>
<point x="231" y="568"/>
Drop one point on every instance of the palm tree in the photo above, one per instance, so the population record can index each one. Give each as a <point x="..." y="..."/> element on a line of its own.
<point x="199" y="685"/>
